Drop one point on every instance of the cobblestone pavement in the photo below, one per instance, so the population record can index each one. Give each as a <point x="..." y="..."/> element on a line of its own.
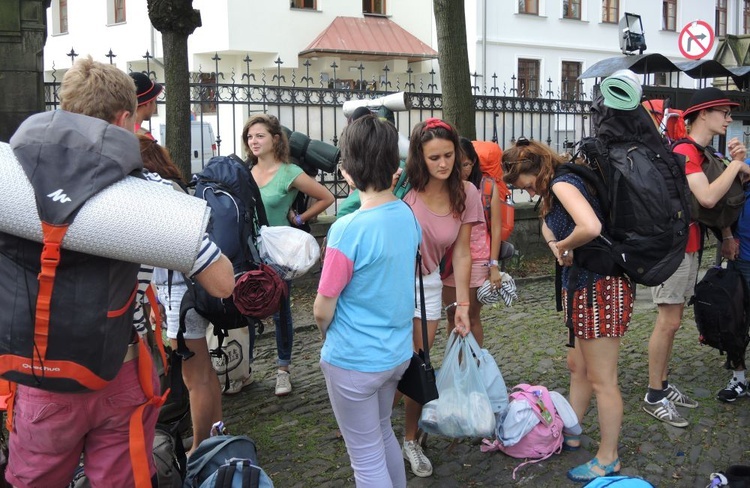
<point x="299" y="446"/>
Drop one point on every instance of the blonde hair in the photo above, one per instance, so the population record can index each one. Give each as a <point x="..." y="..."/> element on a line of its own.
<point x="97" y="90"/>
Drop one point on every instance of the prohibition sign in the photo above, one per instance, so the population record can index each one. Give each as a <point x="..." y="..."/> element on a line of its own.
<point x="696" y="39"/>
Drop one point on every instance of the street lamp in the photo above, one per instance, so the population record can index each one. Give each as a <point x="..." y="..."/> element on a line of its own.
<point x="632" y="38"/>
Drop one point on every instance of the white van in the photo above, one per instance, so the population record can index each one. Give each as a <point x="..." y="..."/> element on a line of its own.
<point x="202" y="144"/>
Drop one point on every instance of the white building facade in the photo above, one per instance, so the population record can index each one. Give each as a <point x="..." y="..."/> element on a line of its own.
<point x="524" y="48"/>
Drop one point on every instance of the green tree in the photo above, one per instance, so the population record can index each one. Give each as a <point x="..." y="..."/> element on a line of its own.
<point x="176" y="20"/>
<point x="453" y="59"/>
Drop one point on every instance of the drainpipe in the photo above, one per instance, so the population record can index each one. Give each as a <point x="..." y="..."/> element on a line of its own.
<point x="153" y="48"/>
<point x="484" y="40"/>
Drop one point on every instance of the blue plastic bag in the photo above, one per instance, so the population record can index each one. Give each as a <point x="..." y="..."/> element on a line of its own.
<point x="464" y="409"/>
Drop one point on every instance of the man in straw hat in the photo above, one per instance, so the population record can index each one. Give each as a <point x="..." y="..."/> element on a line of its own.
<point x="709" y="115"/>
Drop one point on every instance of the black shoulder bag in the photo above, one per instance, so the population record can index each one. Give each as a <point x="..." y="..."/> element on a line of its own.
<point x="418" y="382"/>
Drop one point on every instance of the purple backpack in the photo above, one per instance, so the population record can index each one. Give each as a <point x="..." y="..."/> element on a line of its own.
<point x="545" y="439"/>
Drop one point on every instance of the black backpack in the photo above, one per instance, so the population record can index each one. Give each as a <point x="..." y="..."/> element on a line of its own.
<point x="641" y="186"/>
<point x="237" y="213"/>
<point x="721" y="303"/>
<point x="727" y="210"/>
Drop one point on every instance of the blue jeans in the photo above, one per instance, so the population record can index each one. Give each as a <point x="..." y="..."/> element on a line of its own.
<point x="285" y="335"/>
<point x="283" y="344"/>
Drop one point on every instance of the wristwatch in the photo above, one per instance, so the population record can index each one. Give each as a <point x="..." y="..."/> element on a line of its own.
<point x="493" y="263"/>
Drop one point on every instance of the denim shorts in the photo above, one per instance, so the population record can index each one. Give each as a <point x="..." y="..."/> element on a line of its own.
<point x="195" y="324"/>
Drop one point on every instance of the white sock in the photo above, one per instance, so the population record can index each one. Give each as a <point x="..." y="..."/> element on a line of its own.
<point x="740" y="376"/>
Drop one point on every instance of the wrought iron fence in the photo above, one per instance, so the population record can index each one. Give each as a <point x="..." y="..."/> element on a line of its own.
<point x="313" y="104"/>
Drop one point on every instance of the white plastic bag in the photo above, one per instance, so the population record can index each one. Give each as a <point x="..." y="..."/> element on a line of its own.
<point x="464" y="408"/>
<point x="491" y="378"/>
<point x="289" y="251"/>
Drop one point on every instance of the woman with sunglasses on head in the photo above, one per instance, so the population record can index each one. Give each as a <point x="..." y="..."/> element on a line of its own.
<point x="279" y="182"/>
<point x="446" y="207"/>
<point x="482" y="246"/>
<point x="572" y="217"/>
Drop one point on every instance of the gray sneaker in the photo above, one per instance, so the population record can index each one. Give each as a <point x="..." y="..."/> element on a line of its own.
<point x="420" y="465"/>
<point x="665" y="411"/>
<point x="678" y="398"/>
<point x="283" y="384"/>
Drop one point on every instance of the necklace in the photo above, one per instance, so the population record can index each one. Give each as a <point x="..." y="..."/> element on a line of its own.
<point x="374" y="196"/>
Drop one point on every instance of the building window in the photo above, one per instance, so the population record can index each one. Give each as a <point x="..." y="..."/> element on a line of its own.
<point x="307" y="4"/>
<point x="610" y="11"/>
<point x="528" y="77"/>
<point x="669" y="15"/>
<point x="373" y="7"/>
<point x="572" y="9"/>
<point x="570" y="84"/>
<point x="528" y="7"/>
<point x="721" y="18"/>
<point x="63" y="17"/>
<point x="119" y="11"/>
<point x="746" y="16"/>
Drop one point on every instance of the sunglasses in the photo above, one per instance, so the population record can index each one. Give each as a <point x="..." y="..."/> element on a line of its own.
<point x="727" y="113"/>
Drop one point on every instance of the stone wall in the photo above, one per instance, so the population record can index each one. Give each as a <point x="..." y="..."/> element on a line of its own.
<point x="22" y="36"/>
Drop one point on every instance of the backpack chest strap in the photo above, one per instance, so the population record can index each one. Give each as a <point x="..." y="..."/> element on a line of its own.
<point x="52" y="238"/>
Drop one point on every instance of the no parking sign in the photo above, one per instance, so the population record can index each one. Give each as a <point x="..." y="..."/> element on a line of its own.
<point x="696" y="39"/>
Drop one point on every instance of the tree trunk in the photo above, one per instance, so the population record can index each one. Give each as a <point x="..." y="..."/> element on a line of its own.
<point x="176" y="20"/>
<point x="177" y="78"/>
<point x="453" y="59"/>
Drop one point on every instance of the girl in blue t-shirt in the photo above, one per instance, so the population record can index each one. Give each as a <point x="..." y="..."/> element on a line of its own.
<point x="365" y="304"/>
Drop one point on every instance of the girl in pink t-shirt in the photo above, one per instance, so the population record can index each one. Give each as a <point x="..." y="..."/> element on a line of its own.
<point x="446" y="207"/>
<point x="483" y="246"/>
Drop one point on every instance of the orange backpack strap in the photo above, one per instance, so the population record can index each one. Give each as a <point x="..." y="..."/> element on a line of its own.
<point x="52" y="238"/>
<point x="9" y="398"/>
<point x="158" y="332"/>
<point x="139" y="451"/>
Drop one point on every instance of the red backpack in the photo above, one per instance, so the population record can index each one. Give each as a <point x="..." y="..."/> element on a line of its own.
<point x="668" y="120"/>
<point x="490" y="157"/>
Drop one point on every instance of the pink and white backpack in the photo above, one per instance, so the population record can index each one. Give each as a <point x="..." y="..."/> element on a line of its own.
<point x="545" y="439"/>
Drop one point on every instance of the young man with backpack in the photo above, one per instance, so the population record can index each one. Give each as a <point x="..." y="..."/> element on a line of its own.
<point x="738" y="385"/>
<point x="708" y="115"/>
<point x="88" y="144"/>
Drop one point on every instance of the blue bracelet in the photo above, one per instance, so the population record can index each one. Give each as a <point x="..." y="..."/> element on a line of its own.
<point x="298" y="220"/>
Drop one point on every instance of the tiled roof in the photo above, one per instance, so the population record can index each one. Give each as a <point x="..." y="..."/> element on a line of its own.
<point x="368" y="38"/>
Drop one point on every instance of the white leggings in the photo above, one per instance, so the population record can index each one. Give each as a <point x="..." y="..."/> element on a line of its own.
<point x="362" y="404"/>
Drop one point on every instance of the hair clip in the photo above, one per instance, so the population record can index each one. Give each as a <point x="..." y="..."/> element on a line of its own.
<point x="522" y="141"/>
<point x="434" y="123"/>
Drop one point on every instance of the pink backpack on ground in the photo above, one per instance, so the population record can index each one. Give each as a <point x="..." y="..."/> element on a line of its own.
<point x="544" y="439"/>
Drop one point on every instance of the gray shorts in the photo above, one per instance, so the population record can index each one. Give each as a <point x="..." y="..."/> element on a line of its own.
<point x="195" y="324"/>
<point x="680" y="286"/>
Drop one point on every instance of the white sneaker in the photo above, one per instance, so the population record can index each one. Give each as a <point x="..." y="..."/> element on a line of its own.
<point x="283" y="384"/>
<point x="420" y="465"/>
